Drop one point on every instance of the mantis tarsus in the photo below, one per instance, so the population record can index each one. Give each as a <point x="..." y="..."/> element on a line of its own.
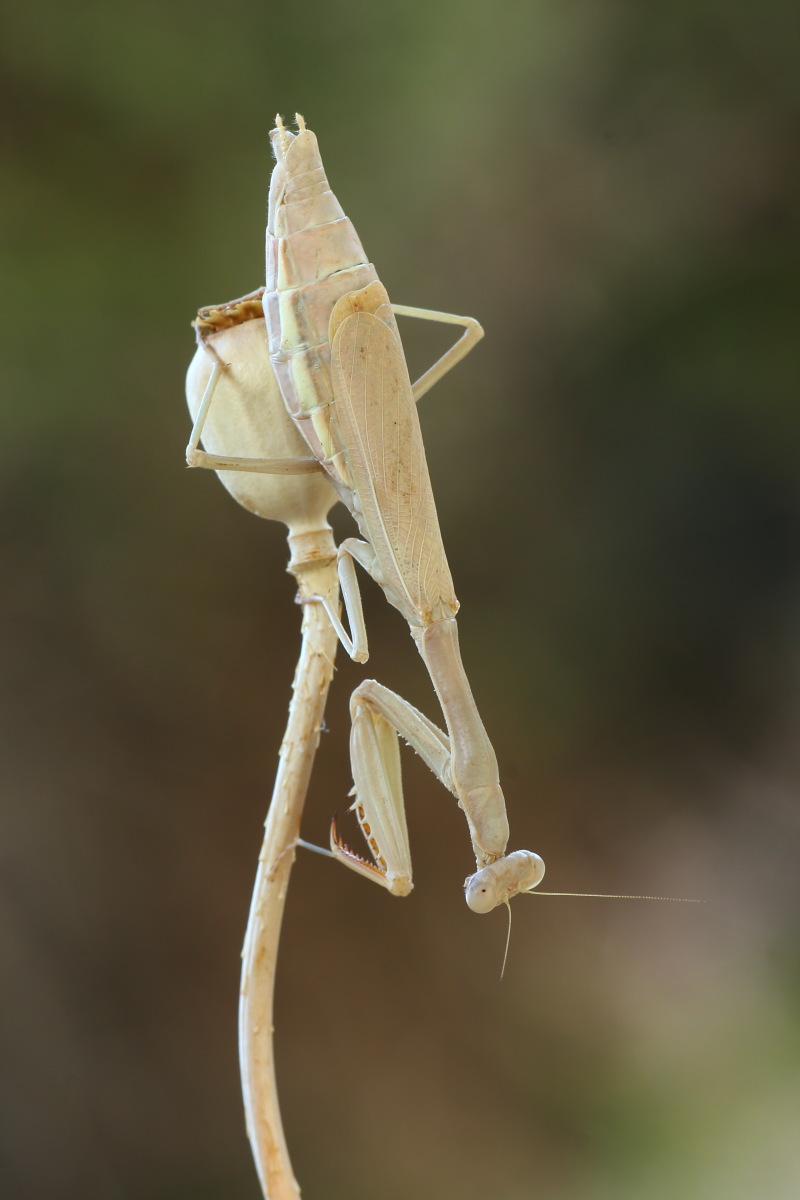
<point x="337" y="356"/>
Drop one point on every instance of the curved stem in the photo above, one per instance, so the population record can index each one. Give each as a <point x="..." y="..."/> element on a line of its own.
<point x="314" y="566"/>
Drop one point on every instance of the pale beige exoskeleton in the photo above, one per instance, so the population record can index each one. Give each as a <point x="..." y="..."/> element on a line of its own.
<point x="337" y="356"/>
<point x="338" y="360"/>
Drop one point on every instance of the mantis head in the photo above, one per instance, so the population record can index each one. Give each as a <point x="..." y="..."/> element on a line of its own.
<point x="518" y="874"/>
<point x="501" y="880"/>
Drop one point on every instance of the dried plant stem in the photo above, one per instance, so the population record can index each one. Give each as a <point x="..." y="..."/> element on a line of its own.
<point x="314" y="566"/>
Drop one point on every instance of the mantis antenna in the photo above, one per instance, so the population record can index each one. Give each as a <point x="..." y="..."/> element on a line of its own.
<point x="508" y="940"/>
<point x="584" y="896"/>
<point x="610" y="896"/>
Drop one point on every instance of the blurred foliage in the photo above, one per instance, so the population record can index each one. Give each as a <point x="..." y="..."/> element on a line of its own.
<point x="612" y="190"/>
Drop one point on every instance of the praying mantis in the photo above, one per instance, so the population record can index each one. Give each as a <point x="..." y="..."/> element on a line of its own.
<point x="338" y="360"/>
<point x="307" y="376"/>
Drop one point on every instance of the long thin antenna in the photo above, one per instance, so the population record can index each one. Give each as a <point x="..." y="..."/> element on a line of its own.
<point x="610" y="896"/>
<point x="508" y="940"/>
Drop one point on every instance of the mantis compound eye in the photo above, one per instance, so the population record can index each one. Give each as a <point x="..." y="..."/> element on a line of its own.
<point x="480" y="891"/>
<point x="535" y="870"/>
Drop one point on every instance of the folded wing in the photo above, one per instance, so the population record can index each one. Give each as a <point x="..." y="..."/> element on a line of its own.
<point x="382" y="442"/>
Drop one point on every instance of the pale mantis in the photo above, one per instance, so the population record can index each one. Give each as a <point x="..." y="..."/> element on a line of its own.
<point x="336" y="355"/>
<point x="339" y="363"/>
<point x="338" y="359"/>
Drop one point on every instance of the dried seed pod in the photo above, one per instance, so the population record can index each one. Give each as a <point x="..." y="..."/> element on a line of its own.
<point x="248" y="419"/>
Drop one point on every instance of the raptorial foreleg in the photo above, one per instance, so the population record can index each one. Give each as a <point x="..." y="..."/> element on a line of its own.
<point x="378" y="716"/>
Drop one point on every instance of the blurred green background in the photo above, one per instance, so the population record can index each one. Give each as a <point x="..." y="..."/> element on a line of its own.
<point x="612" y="190"/>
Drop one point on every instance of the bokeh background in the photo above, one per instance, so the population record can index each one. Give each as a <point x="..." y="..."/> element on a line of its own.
<point x="612" y="190"/>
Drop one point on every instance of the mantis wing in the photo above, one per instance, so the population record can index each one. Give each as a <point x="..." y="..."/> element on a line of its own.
<point x="379" y="434"/>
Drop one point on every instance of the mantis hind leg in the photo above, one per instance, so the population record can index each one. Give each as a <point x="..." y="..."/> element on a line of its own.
<point x="473" y="332"/>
